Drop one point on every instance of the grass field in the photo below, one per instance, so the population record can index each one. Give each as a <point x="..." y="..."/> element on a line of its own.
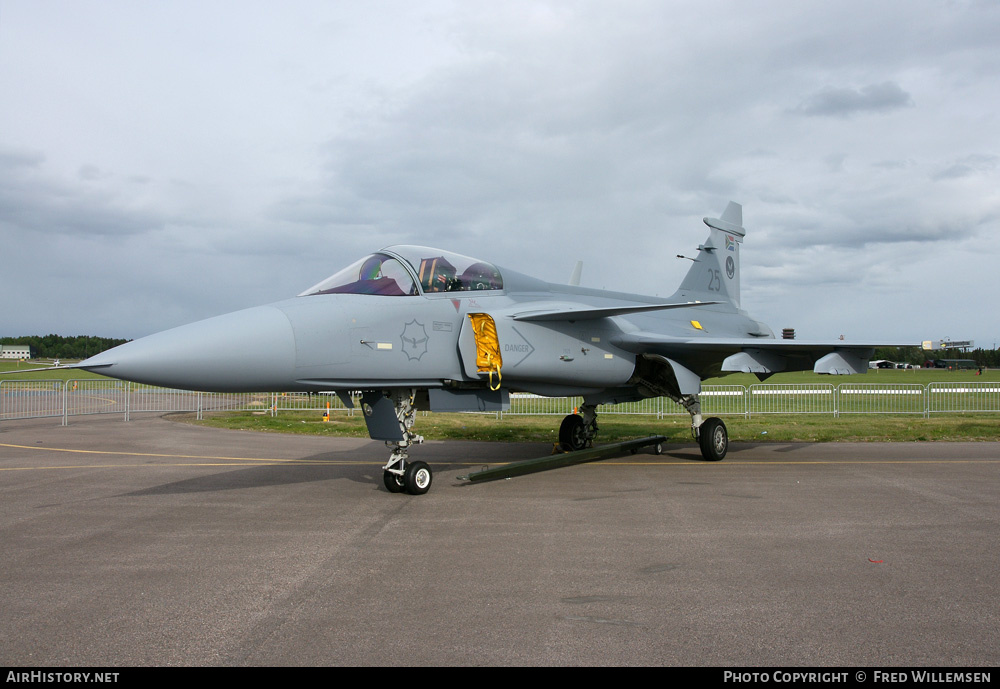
<point x="778" y="428"/>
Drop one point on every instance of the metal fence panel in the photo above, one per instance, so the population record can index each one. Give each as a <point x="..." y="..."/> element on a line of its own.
<point x="651" y="406"/>
<point x="792" y="398"/>
<point x="146" y="398"/>
<point x="304" y="401"/>
<point x="875" y="398"/>
<point x="27" y="399"/>
<point x="723" y="400"/>
<point x="963" y="397"/>
<point x="523" y="403"/>
<point x="716" y="400"/>
<point x="239" y="401"/>
<point x="95" y="396"/>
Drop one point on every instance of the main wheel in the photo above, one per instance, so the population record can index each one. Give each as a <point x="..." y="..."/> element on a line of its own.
<point x="417" y="478"/>
<point x="393" y="482"/>
<point x="572" y="433"/>
<point x="714" y="439"/>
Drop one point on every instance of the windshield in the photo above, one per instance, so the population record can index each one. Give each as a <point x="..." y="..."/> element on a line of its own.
<point x="375" y="274"/>
<point x="444" y="271"/>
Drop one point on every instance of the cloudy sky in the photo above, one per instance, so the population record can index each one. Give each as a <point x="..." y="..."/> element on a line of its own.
<point x="166" y="162"/>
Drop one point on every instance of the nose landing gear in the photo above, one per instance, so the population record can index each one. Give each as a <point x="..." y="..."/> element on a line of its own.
<point x="391" y="419"/>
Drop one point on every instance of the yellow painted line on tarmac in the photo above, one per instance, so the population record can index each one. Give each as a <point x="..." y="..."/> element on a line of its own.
<point x="109" y="400"/>
<point x="209" y="460"/>
<point x="147" y="466"/>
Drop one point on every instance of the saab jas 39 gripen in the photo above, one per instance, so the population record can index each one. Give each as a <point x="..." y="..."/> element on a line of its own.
<point x="411" y="327"/>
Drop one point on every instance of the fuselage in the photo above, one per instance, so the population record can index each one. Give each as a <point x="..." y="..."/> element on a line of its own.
<point x="381" y="327"/>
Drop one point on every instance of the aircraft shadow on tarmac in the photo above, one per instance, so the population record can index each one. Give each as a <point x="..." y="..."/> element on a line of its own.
<point x="329" y="466"/>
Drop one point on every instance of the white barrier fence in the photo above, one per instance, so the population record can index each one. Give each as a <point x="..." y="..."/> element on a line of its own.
<point x="24" y="399"/>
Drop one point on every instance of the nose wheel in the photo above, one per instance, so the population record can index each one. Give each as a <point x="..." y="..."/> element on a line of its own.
<point x="393" y="421"/>
<point x="417" y="478"/>
<point x="393" y="482"/>
<point x="400" y="476"/>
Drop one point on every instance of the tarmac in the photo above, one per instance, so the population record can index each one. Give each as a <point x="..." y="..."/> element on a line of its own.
<point x="152" y="542"/>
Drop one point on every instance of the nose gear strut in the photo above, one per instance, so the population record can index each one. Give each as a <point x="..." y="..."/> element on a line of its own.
<point x="391" y="418"/>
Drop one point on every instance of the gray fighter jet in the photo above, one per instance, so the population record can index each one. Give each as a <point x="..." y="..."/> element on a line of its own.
<point x="410" y="327"/>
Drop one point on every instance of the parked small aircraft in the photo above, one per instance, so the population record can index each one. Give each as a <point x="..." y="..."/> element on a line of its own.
<point x="412" y="327"/>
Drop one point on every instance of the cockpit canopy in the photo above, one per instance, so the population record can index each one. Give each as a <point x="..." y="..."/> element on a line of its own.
<point x="398" y="270"/>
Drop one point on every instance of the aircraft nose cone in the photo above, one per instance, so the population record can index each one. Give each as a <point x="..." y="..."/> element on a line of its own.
<point x="251" y="350"/>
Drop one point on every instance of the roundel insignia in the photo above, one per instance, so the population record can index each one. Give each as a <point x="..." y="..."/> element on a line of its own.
<point x="730" y="267"/>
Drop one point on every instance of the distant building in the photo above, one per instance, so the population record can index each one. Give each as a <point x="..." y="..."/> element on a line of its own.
<point x="15" y="352"/>
<point x="954" y="364"/>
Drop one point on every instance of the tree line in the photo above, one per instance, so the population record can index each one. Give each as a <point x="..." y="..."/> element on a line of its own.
<point x="59" y="347"/>
<point x="917" y="356"/>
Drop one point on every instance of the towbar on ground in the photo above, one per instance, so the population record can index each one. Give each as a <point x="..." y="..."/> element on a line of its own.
<point x="533" y="466"/>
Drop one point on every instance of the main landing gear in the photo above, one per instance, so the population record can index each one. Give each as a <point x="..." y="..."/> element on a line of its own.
<point x="577" y="431"/>
<point x="713" y="439"/>
<point x="711" y="433"/>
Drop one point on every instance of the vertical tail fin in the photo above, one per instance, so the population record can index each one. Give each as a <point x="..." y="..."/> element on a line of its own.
<point x="574" y="279"/>
<point x="715" y="275"/>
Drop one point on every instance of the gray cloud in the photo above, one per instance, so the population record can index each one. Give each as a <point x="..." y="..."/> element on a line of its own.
<point x="12" y="159"/>
<point x="91" y="173"/>
<point x="967" y="166"/>
<point x="844" y="102"/>
<point x="32" y="200"/>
